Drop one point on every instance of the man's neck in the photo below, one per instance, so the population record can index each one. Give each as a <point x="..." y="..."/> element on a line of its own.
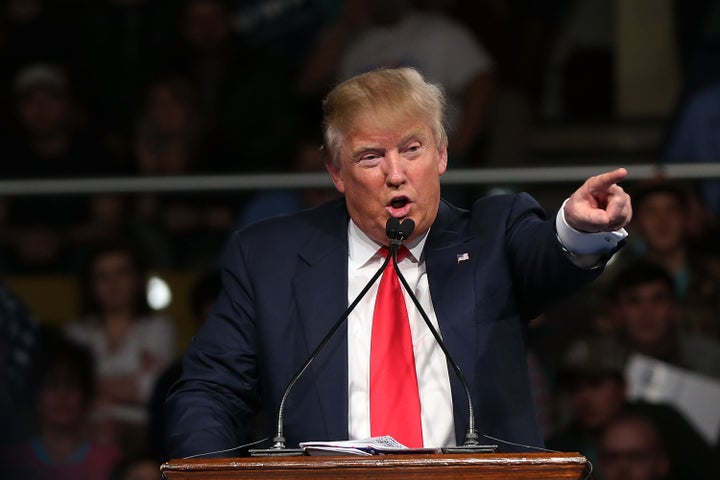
<point x="662" y="349"/>
<point x="673" y="260"/>
<point x="60" y="443"/>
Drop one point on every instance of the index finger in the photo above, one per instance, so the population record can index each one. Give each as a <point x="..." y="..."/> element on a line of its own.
<point x="606" y="180"/>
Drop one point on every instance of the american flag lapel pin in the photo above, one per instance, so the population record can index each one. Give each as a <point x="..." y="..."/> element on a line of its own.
<point x="462" y="257"/>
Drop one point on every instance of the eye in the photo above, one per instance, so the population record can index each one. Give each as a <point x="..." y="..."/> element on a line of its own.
<point x="369" y="159"/>
<point x="413" y="149"/>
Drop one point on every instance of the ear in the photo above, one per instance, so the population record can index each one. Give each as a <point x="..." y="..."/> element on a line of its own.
<point x="442" y="160"/>
<point x="335" y="174"/>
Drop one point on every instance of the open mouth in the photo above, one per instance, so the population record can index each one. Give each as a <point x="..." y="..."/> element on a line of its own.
<point x="399" y="207"/>
<point x="399" y="202"/>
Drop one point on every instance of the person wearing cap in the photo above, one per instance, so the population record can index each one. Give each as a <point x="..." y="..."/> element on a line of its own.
<point x="51" y="142"/>
<point x="592" y="379"/>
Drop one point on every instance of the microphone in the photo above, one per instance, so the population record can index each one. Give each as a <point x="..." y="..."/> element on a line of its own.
<point x="471" y="444"/>
<point x="393" y="230"/>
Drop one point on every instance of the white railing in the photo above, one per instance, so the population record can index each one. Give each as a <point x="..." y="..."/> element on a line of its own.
<point x="478" y="176"/>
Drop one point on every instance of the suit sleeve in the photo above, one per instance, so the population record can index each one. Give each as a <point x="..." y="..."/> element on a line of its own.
<point x="542" y="272"/>
<point x="213" y="404"/>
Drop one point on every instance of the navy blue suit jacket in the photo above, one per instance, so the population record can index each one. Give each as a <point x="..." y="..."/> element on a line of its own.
<point x="285" y="285"/>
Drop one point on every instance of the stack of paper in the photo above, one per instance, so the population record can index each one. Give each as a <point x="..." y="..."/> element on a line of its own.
<point x="366" y="446"/>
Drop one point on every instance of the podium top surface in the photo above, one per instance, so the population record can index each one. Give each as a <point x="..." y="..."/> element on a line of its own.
<point x="535" y="466"/>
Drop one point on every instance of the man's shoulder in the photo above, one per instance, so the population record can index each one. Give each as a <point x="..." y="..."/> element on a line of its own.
<point x="700" y="352"/>
<point x="505" y="206"/>
<point x="330" y="213"/>
<point x="493" y="214"/>
<point x="285" y="233"/>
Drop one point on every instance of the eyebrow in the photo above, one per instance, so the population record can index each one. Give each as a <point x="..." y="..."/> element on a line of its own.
<point x="414" y="135"/>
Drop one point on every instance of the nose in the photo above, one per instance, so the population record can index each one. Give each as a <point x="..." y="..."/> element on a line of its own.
<point x="394" y="168"/>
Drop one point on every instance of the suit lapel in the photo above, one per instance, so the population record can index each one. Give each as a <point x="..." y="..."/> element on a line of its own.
<point x="452" y="287"/>
<point x="320" y="291"/>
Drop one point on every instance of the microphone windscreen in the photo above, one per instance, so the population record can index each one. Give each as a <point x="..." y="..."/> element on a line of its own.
<point x="406" y="228"/>
<point x="391" y="228"/>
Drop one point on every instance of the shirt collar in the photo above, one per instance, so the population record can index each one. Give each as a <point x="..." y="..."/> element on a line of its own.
<point x="362" y="249"/>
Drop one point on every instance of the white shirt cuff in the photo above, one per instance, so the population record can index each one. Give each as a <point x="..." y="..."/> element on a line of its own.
<point x="585" y="244"/>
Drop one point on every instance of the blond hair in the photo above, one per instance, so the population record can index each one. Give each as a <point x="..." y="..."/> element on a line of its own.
<point x="391" y="96"/>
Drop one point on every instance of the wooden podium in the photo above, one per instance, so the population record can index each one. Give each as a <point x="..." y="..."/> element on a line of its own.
<point x="535" y="466"/>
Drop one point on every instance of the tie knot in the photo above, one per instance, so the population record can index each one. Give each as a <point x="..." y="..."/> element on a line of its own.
<point x="402" y="252"/>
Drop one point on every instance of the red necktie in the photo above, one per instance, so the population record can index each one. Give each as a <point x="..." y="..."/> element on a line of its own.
<point x="394" y="399"/>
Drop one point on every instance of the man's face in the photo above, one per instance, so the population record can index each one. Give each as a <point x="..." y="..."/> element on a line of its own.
<point x="596" y="400"/>
<point x="661" y="221"/>
<point x="646" y="313"/>
<point x="630" y="450"/>
<point x="44" y="111"/>
<point x="61" y="402"/>
<point x="390" y="173"/>
<point x="114" y="281"/>
<point x="206" y="24"/>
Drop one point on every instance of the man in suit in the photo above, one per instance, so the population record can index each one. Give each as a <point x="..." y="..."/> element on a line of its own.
<point x="480" y="274"/>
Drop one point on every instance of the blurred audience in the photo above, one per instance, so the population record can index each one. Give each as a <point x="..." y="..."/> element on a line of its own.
<point x="131" y="345"/>
<point x="169" y="141"/>
<point x="661" y="217"/>
<point x="592" y="378"/>
<point x="123" y="40"/>
<point x="63" y="392"/>
<point x="51" y="142"/>
<point x="244" y="97"/>
<point x="646" y="317"/>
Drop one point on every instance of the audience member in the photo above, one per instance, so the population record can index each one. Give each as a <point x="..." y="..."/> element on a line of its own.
<point x="631" y="449"/>
<point x="169" y="141"/>
<point x="64" y="382"/>
<point x="646" y="317"/>
<point x="28" y="33"/>
<point x="205" y="290"/>
<point x="592" y="377"/>
<point x="168" y="138"/>
<point x="51" y="142"/>
<point x="244" y="95"/>
<point x="661" y="218"/>
<point x="130" y="344"/>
